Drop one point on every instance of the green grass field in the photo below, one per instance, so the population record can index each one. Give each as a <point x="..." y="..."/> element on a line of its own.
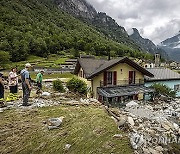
<point x="51" y="61"/>
<point x="87" y="129"/>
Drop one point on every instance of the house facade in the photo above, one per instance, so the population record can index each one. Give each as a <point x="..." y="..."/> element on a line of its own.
<point x="116" y="79"/>
<point x="164" y="76"/>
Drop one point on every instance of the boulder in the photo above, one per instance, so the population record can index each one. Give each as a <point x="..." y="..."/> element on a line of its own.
<point x="131" y="121"/>
<point x="82" y="100"/>
<point x="159" y="148"/>
<point x="136" y="140"/>
<point x="54" y="123"/>
<point x="131" y="104"/>
<point x="122" y="121"/>
<point x="153" y="151"/>
<point x="176" y="126"/>
<point x="46" y="94"/>
<point x="167" y="125"/>
<point x="67" y="146"/>
<point x="1" y="110"/>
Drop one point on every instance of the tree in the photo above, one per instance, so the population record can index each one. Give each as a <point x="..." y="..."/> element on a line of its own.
<point x="4" y="58"/>
<point x="163" y="90"/>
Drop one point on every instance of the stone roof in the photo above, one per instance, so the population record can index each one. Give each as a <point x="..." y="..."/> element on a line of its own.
<point x="162" y="74"/>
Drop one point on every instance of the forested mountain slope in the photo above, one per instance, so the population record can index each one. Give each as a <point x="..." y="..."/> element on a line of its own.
<point x="39" y="27"/>
<point x="103" y="23"/>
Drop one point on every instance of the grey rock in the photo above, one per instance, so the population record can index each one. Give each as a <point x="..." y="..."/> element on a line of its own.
<point x="136" y="140"/>
<point x="54" y="123"/>
<point x="131" y="121"/>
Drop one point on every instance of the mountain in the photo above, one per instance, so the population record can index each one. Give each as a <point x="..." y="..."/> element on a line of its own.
<point x="146" y="44"/>
<point x="84" y="11"/>
<point x="172" y="47"/>
<point x="41" y="27"/>
<point x="79" y="8"/>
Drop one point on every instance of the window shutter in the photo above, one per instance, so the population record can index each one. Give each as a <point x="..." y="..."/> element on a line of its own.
<point x="105" y="78"/>
<point x="134" y="77"/>
<point x="115" y="78"/>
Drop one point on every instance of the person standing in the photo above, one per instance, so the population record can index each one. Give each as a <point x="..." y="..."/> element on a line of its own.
<point x="13" y="81"/>
<point x="26" y="84"/>
<point x="13" y="85"/>
<point x="39" y="79"/>
<point x="1" y="88"/>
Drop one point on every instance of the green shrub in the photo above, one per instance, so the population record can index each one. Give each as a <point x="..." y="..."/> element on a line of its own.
<point x="77" y="85"/>
<point x="163" y="89"/>
<point x="58" y="86"/>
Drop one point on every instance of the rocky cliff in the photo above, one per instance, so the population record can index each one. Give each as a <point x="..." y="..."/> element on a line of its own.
<point x="79" y="8"/>
<point x="146" y="44"/>
<point x="172" y="47"/>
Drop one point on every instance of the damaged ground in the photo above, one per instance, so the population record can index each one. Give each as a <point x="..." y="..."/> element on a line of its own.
<point x="153" y="127"/>
<point x="86" y="128"/>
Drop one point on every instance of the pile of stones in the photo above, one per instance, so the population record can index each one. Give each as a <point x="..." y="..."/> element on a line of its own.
<point x="151" y="126"/>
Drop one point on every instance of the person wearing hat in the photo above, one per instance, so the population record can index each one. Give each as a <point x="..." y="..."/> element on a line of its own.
<point x="39" y="79"/>
<point x="1" y="89"/>
<point x="26" y="84"/>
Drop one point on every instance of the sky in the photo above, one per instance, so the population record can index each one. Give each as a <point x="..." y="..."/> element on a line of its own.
<point x="155" y="19"/>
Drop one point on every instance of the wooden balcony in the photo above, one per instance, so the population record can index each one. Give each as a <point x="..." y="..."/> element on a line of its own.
<point x="122" y="83"/>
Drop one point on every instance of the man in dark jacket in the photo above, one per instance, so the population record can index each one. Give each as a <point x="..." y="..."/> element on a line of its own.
<point x="1" y="90"/>
<point x="26" y="84"/>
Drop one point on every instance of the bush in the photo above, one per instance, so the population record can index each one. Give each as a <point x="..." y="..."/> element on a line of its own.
<point x="163" y="89"/>
<point x="77" y="85"/>
<point x="58" y="86"/>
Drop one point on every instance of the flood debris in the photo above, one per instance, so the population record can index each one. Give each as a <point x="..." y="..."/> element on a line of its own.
<point x="136" y="140"/>
<point x="1" y="110"/>
<point x="151" y="126"/>
<point x="46" y="94"/>
<point x="118" y="136"/>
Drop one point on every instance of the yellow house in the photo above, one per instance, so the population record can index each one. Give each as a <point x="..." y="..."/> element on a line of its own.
<point x="116" y="79"/>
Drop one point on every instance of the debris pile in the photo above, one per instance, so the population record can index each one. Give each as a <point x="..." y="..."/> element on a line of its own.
<point x="151" y="126"/>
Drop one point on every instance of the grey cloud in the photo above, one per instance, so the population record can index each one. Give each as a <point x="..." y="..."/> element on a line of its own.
<point x="131" y="15"/>
<point x="166" y="31"/>
<point x="156" y="19"/>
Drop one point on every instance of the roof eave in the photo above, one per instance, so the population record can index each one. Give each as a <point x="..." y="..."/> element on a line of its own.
<point x="131" y="63"/>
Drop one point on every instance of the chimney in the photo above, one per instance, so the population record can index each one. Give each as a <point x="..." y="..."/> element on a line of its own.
<point x="157" y="60"/>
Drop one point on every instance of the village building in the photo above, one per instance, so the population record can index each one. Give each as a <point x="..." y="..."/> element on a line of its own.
<point x="149" y="65"/>
<point x="69" y="65"/>
<point x="115" y="80"/>
<point x="164" y="76"/>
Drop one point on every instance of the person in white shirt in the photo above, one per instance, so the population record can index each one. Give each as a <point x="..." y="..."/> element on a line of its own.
<point x="13" y="81"/>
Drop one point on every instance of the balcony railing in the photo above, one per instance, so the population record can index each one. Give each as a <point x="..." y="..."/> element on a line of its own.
<point x="122" y="83"/>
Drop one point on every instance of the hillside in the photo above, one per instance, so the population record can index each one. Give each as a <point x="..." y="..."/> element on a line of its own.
<point x="103" y="23"/>
<point x="40" y="28"/>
